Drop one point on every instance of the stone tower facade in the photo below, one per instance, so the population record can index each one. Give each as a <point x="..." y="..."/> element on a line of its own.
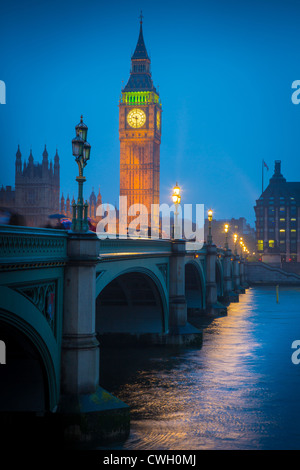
<point x="140" y="132"/>
<point x="37" y="187"/>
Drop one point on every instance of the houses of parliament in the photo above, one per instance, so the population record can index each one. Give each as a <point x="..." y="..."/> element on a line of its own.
<point x="37" y="193"/>
<point x="37" y="185"/>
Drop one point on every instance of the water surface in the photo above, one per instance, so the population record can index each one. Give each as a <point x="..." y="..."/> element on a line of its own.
<point x="239" y="391"/>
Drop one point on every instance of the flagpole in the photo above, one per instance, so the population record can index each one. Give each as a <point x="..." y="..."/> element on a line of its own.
<point x="262" y="176"/>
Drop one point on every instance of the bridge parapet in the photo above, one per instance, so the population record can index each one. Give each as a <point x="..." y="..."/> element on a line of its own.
<point x="123" y="246"/>
<point x="134" y="247"/>
<point x="31" y="247"/>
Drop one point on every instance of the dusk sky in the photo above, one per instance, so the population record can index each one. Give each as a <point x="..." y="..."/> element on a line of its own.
<point x="224" y="71"/>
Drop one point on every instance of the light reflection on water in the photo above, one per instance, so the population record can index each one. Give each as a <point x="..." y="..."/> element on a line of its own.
<point x="240" y="391"/>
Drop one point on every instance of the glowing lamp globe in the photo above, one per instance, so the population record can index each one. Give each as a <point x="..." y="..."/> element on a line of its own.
<point x="176" y="189"/>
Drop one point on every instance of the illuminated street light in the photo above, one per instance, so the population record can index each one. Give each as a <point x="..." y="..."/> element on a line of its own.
<point x="210" y="217"/>
<point x="241" y="245"/>
<point x="226" y="229"/>
<point x="243" y="248"/>
<point x="235" y="237"/>
<point x="176" y="198"/>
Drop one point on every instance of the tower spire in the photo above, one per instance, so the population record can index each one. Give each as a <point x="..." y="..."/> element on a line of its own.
<point x="140" y="74"/>
<point x="45" y="156"/>
<point x="140" y="52"/>
<point x="18" y="161"/>
<point x="18" y="154"/>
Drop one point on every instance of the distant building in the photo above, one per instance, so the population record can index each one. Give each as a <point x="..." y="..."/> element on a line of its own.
<point x="93" y="201"/>
<point x="239" y="226"/>
<point x="93" y="204"/>
<point x="278" y="220"/>
<point x="36" y="193"/>
<point x="66" y="206"/>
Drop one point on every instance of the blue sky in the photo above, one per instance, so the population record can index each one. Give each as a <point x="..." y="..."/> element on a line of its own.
<point x="224" y="71"/>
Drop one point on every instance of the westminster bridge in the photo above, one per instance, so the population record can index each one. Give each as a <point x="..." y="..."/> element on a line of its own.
<point x="62" y="293"/>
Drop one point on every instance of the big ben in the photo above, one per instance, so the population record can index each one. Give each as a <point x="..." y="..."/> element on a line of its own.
<point x="140" y="132"/>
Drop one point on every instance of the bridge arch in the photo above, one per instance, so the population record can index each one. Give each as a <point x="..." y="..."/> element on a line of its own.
<point x="194" y="286"/>
<point x="133" y="301"/>
<point x="23" y="326"/>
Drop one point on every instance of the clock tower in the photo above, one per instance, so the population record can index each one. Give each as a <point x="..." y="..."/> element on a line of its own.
<point x="140" y="132"/>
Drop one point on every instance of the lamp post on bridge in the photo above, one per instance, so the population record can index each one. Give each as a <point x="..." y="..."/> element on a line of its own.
<point x="176" y="198"/>
<point x="226" y="229"/>
<point x="242" y="246"/>
<point x="235" y="237"/>
<point x="209" y="237"/>
<point x="81" y="151"/>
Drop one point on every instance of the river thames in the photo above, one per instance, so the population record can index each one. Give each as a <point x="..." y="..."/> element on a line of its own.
<point x="241" y="390"/>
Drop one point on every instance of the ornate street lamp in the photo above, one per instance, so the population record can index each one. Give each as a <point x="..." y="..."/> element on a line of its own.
<point x="176" y="198"/>
<point x="81" y="151"/>
<point x="210" y="217"/>
<point x="242" y="245"/>
<point x="235" y="237"/>
<point x="226" y="228"/>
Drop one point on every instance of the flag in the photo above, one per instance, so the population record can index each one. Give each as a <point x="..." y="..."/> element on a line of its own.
<point x="266" y="165"/>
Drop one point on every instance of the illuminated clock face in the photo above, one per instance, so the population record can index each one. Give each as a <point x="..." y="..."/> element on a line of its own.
<point x="158" y="120"/>
<point x="136" y="118"/>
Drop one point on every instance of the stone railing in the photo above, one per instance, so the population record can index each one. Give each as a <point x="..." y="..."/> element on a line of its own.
<point x="31" y="247"/>
<point x="134" y="246"/>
